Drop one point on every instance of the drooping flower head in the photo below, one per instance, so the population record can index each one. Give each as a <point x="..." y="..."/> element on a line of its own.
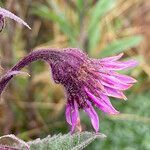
<point x="5" y="13"/>
<point x="88" y="82"/>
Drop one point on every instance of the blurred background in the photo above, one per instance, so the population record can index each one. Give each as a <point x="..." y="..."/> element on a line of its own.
<point x="33" y="107"/>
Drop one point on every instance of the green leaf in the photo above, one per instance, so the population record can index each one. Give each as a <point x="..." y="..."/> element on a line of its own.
<point x="11" y="142"/>
<point x="60" y="19"/>
<point x="101" y="8"/>
<point x="94" y="38"/>
<point x="121" y="45"/>
<point x="76" y="141"/>
<point x="79" y="4"/>
<point x="135" y="127"/>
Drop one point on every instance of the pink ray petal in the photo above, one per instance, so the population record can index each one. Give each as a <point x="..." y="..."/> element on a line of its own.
<point x="115" y="93"/>
<point x="93" y="116"/>
<point x="105" y="107"/>
<point x="118" y="65"/>
<point x="112" y="58"/>
<point x="124" y="78"/>
<point x="75" y="117"/>
<point x="112" y="82"/>
<point x="68" y="113"/>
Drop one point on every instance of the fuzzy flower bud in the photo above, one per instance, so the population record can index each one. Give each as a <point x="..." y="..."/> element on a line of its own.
<point x="5" y="13"/>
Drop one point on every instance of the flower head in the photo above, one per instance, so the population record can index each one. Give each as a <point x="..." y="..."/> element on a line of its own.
<point x="5" y="13"/>
<point x="88" y="82"/>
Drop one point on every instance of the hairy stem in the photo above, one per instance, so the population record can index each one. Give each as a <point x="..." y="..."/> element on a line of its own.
<point x="46" y="55"/>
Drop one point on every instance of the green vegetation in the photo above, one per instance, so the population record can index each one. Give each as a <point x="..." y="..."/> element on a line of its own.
<point x="34" y="107"/>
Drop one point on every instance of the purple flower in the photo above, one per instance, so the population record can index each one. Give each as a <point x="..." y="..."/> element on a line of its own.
<point x="5" y="13"/>
<point x="88" y="82"/>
